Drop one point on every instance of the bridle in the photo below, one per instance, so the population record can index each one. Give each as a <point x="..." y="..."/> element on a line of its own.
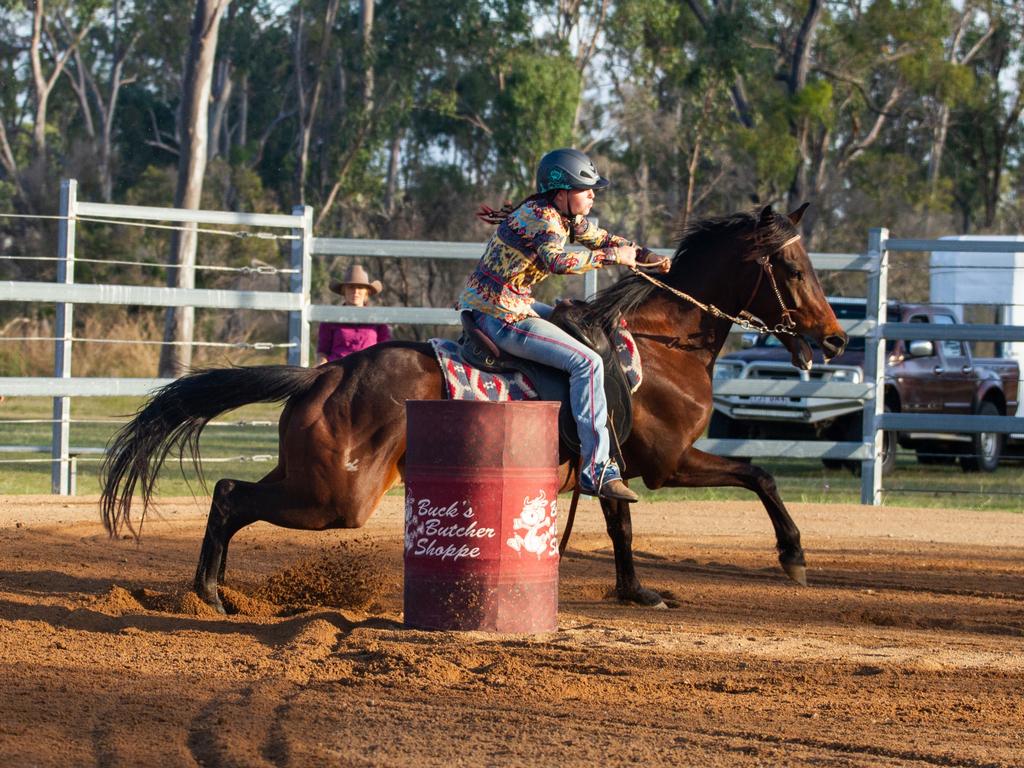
<point x="744" y="319"/>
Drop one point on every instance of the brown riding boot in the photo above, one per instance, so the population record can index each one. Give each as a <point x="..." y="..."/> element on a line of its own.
<point x="617" y="490"/>
<point x="610" y="488"/>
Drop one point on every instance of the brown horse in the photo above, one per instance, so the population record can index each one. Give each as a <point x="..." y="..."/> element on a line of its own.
<point x="342" y="431"/>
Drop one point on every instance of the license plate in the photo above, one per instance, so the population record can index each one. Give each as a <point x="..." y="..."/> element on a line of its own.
<point x="768" y="400"/>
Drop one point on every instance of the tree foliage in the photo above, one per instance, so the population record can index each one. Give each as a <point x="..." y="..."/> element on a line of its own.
<point x="898" y="113"/>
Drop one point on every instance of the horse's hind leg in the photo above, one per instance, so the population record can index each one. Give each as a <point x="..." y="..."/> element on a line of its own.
<point x="227" y="517"/>
<point x="287" y="503"/>
<point x="276" y="474"/>
<point x="620" y="528"/>
<point x="236" y="504"/>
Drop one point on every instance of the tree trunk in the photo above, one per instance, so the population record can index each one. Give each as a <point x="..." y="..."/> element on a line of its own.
<point x="367" y="28"/>
<point x="737" y="90"/>
<point x="243" y="110"/>
<point x="672" y="196"/>
<point x="83" y="82"/>
<point x="939" y="133"/>
<point x="1002" y="141"/>
<point x="797" y="80"/>
<point x="391" y="189"/>
<point x="108" y="110"/>
<point x="691" y="168"/>
<point x="308" y="106"/>
<point x="691" y="179"/>
<point x="940" y="130"/>
<point x="222" y="86"/>
<point x="10" y="163"/>
<point x="568" y="22"/>
<point x="644" y="203"/>
<point x="179" y="321"/>
<point x="42" y="88"/>
<point x="43" y="84"/>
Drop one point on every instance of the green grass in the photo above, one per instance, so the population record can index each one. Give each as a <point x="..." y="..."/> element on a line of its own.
<point x="804" y="480"/>
<point x="217" y="442"/>
<point x="798" y="480"/>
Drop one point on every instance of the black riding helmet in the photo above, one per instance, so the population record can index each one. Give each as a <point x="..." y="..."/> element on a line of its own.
<point x="568" y="169"/>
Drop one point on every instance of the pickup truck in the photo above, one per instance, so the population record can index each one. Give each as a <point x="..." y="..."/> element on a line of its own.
<point x="920" y="377"/>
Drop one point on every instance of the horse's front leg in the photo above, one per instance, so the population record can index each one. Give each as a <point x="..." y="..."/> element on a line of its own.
<point x="697" y="469"/>
<point x="620" y="529"/>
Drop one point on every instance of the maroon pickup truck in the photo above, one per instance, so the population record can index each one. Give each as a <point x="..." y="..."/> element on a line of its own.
<point x="920" y="377"/>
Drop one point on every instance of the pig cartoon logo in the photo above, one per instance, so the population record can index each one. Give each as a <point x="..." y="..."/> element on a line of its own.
<point x="534" y="530"/>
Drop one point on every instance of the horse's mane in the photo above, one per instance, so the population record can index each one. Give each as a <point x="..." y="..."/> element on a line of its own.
<point x="699" y="241"/>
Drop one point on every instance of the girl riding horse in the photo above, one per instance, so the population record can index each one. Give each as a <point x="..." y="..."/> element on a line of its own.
<point x="528" y="246"/>
<point x="342" y="430"/>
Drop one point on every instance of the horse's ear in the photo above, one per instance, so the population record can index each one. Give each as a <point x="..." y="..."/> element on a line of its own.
<point x="798" y="214"/>
<point x="766" y="216"/>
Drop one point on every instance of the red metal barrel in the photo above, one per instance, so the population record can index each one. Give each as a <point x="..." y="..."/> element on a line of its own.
<point x="481" y="542"/>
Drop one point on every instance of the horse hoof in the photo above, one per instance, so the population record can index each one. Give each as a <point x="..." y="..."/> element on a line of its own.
<point x="213" y="601"/>
<point x="797" y="573"/>
<point x="648" y="598"/>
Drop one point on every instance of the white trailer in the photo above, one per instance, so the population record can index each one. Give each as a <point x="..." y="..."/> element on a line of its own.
<point x="976" y="277"/>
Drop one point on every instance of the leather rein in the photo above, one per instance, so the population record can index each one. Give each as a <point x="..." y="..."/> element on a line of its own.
<point x="744" y="319"/>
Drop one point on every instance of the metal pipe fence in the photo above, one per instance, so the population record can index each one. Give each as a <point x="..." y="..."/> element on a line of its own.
<point x="301" y="312"/>
<point x="876" y="420"/>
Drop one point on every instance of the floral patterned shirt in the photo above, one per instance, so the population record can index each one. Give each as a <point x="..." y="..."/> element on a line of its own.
<point x="528" y="246"/>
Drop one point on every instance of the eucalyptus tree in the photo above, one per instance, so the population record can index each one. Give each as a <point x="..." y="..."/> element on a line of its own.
<point x="101" y="66"/>
<point x="12" y="115"/>
<point x="176" y="355"/>
<point x="40" y="38"/>
<point x="57" y="31"/>
<point x="671" y="108"/>
<point x="986" y="137"/>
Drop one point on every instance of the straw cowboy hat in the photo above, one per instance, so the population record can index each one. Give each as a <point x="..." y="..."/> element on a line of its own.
<point x="356" y="276"/>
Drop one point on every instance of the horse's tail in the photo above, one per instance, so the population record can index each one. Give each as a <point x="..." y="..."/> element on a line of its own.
<point x="175" y="416"/>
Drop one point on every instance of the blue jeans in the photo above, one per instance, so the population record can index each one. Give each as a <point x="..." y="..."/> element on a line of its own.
<point x="536" y="339"/>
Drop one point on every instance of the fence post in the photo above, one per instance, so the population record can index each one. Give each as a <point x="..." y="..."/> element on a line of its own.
<point x="60" y="471"/>
<point x="874" y="366"/>
<point x="301" y="260"/>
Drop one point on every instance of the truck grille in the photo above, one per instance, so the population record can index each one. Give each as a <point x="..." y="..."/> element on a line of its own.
<point x="787" y="373"/>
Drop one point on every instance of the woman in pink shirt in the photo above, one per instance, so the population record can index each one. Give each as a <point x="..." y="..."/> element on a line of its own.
<point x="336" y="340"/>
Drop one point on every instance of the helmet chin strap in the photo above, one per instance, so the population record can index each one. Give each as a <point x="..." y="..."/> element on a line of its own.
<point x="570" y="218"/>
<point x="565" y="211"/>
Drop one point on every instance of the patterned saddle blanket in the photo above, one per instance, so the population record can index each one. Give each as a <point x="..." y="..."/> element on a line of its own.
<point x="464" y="382"/>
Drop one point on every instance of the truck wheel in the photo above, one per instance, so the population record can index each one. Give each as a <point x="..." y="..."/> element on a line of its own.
<point x="987" y="447"/>
<point x="888" y="451"/>
<point x="889" y="444"/>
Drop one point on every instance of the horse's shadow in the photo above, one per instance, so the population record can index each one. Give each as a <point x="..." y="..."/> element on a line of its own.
<point x="51" y="582"/>
<point x="273" y="634"/>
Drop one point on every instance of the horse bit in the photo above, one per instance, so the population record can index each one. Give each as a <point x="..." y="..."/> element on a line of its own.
<point x="745" y="319"/>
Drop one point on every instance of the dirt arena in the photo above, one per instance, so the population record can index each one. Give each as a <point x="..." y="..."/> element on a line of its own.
<point x="906" y="650"/>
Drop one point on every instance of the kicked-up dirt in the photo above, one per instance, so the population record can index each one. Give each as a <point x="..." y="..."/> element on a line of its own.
<point x="907" y="648"/>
